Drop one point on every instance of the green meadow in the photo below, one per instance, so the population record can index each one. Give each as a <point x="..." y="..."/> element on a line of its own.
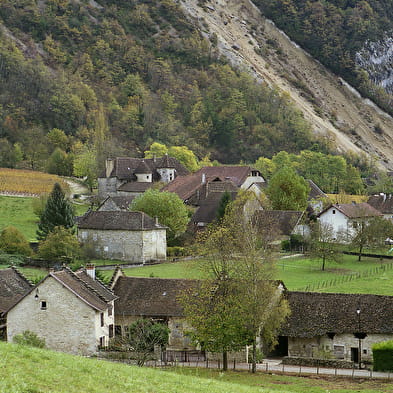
<point x="32" y="370"/>
<point x="18" y="212"/>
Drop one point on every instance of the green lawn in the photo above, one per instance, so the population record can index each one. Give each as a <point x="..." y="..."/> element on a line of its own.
<point x="296" y="273"/>
<point x="31" y="370"/>
<point x="18" y="211"/>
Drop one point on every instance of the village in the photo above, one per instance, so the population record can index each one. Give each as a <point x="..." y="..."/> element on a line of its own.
<point x="76" y="312"/>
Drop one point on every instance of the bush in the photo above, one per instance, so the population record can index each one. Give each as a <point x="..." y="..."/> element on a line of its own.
<point x="12" y="241"/>
<point x="175" y="251"/>
<point x="11" y="260"/>
<point x="383" y="356"/>
<point x="30" y="339"/>
<point x="295" y="243"/>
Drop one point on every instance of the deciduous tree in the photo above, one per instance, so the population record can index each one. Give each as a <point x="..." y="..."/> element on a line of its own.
<point x="12" y="241"/>
<point x="168" y="207"/>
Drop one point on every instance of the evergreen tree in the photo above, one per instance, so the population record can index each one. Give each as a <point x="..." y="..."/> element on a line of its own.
<point x="58" y="212"/>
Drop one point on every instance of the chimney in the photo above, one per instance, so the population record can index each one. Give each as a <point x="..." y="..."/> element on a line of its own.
<point x="109" y="166"/>
<point x="154" y="158"/>
<point x="203" y="178"/>
<point x="156" y="221"/>
<point x="91" y="270"/>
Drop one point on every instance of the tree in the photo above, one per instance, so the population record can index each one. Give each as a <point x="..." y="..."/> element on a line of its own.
<point x="184" y="156"/>
<point x="224" y="201"/>
<point x="60" y="163"/>
<point x="240" y="302"/>
<point x="143" y="335"/>
<point x="167" y="206"/>
<point x="156" y="150"/>
<point x="323" y="244"/>
<point x="85" y="165"/>
<point x="287" y="190"/>
<point x="60" y="245"/>
<point x="58" y="212"/>
<point x="370" y="232"/>
<point x="12" y="241"/>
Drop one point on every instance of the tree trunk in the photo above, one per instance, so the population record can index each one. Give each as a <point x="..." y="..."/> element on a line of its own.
<point x="360" y="253"/>
<point x="225" y="360"/>
<point x="323" y="263"/>
<point x="254" y="357"/>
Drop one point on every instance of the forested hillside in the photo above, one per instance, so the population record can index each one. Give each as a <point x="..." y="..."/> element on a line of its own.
<point x="351" y="37"/>
<point x="84" y="79"/>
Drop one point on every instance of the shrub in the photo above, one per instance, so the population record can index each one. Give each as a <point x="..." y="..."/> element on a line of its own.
<point x="175" y="251"/>
<point x="10" y="259"/>
<point x="30" y="339"/>
<point x="383" y="356"/>
<point x="12" y="241"/>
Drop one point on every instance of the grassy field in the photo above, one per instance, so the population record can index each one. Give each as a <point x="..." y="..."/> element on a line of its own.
<point x="18" y="211"/>
<point x="297" y="274"/>
<point x="34" y="370"/>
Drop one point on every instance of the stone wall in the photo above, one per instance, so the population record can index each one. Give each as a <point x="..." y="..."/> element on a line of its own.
<point x="313" y="362"/>
<point x="66" y="322"/>
<point x="133" y="246"/>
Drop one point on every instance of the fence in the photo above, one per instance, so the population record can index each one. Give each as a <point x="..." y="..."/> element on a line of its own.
<point x="347" y="278"/>
<point x="276" y="368"/>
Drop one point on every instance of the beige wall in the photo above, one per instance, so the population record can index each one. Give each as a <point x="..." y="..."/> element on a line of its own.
<point x="341" y="343"/>
<point x="68" y="324"/>
<point x="133" y="246"/>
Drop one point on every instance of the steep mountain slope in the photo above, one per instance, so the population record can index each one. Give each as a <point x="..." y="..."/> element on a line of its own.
<point x="334" y="109"/>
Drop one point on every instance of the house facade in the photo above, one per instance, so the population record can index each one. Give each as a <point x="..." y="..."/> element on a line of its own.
<point x="13" y="286"/>
<point x="130" y="177"/>
<point x="344" y="218"/>
<point x="154" y="298"/>
<point x="73" y="312"/>
<point x="383" y="203"/>
<point x="336" y="325"/>
<point x="123" y="235"/>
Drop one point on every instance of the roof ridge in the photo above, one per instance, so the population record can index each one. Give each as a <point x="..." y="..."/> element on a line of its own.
<point x="14" y="268"/>
<point x="85" y="284"/>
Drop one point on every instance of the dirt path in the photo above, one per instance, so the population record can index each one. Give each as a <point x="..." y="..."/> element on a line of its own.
<point x="333" y="108"/>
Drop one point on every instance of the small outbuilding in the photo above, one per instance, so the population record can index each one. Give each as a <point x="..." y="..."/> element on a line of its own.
<point x="123" y="235"/>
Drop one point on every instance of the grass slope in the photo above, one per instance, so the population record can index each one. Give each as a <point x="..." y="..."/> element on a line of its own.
<point x="31" y="370"/>
<point x="297" y="274"/>
<point x="18" y="211"/>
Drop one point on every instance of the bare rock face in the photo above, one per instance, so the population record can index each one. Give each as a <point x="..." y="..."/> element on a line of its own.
<point x="377" y="59"/>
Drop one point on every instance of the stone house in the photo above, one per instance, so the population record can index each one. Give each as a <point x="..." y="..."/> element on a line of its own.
<point x="281" y="224"/>
<point x="383" y="203"/>
<point x="195" y="187"/>
<point x="154" y="298"/>
<point x="345" y="217"/>
<point x="126" y="176"/>
<point x="336" y="325"/>
<point x="123" y="235"/>
<point x="73" y="312"/>
<point x="13" y="286"/>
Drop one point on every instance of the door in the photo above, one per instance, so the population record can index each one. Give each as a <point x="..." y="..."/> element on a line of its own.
<point x="355" y="355"/>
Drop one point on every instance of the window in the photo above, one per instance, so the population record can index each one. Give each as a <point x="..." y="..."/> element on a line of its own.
<point x="333" y="211"/>
<point x="110" y="310"/>
<point x="117" y="330"/>
<point x="95" y="237"/>
<point x="102" y="318"/>
<point x="339" y="351"/>
<point x="84" y="235"/>
<point x="43" y="305"/>
<point x="102" y="341"/>
<point x="110" y="331"/>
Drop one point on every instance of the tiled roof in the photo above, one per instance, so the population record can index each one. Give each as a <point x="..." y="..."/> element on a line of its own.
<point x="315" y="191"/>
<point x="315" y="314"/>
<point x="118" y="220"/>
<point x="82" y="285"/>
<point x="124" y="167"/>
<point x="150" y="296"/>
<point x="186" y="186"/>
<point x="122" y="202"/>
<point x="354" y="210"/>
<point x="207" y="211"/>
<point x="382" y="202"/>
<point x="13" y="286"/>
<point x="135" y="186"/>
<point x="281" y="221"/>
<point x="143" y="168"/>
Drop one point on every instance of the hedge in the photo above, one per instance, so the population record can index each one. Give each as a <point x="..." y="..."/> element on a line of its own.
<point x="383" y="356"/>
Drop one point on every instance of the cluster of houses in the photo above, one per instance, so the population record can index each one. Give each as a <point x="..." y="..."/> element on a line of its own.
<point x="75" y="312"/>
